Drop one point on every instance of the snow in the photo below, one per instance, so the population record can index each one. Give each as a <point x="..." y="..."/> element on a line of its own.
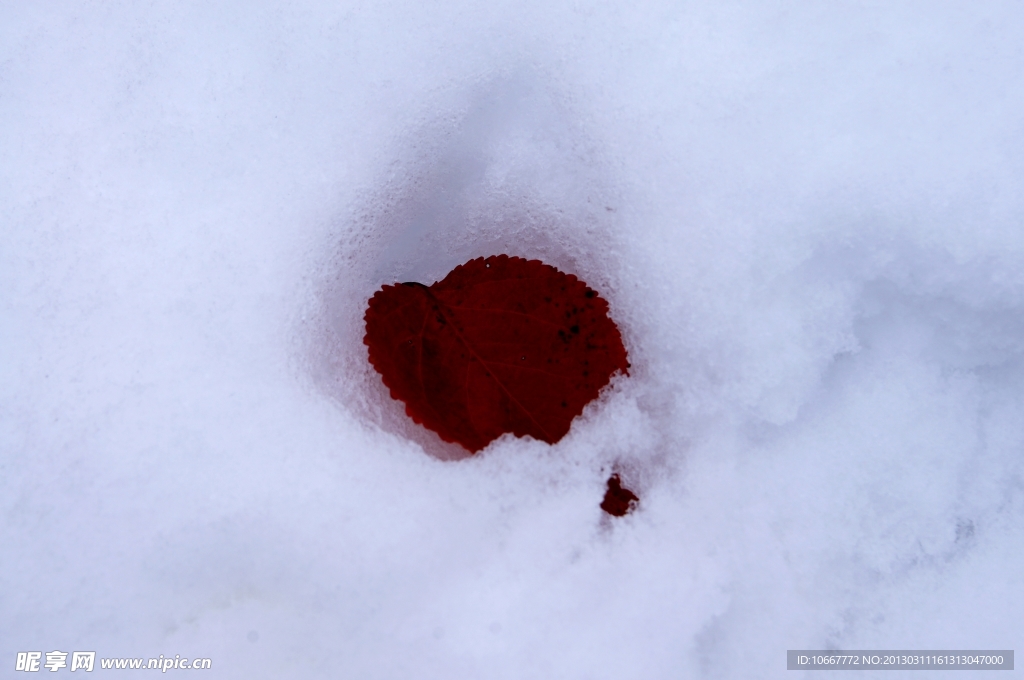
<point x="808" y="220"/>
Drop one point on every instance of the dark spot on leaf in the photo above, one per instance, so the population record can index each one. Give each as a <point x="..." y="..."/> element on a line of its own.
<point x="575" y="329"/>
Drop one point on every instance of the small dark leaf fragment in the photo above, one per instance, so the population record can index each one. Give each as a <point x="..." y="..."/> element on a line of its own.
<point x="618" y="500"/>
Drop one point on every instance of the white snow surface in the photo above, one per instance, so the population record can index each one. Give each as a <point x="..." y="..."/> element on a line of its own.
<point x="808" y="220"/>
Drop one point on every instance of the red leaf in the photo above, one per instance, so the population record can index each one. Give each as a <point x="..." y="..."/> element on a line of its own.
<point x="502" y="344"/>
